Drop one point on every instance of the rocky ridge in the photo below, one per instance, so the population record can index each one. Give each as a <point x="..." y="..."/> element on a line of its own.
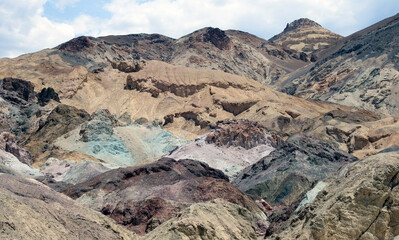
<point x="210" y="48"/>
<point x="360" y="70"/>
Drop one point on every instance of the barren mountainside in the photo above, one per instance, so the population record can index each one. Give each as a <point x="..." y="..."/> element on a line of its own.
<point x="360" y="70"/>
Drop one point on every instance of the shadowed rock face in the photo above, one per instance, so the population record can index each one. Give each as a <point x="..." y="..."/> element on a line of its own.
<point x="289" y="172"/>
<point x="76" y="45"/>
<point x="61" y="120"/>
<point x="31" y="210"/>
<point x="218" y="38"/>
<point x="360" y="202"/>
<point x="141" y="198"/>
<point x="17" y="91"/>
<point x="46" y="94"/>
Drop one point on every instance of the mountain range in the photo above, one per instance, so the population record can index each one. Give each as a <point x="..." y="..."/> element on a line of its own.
<point x="219" y="134"/>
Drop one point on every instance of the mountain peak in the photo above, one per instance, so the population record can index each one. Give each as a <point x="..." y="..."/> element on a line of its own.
<point x="301" y="23"/>
<point x="305" y="35"/>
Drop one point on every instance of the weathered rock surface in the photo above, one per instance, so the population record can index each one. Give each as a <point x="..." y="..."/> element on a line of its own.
<point x="128" y="67"/>
<point x="243" y="133"/>
<point x="232" y="146"/>
<point x="119" y="145"/>
<point x="61" y="120"/>
<point x="72" y="172"/>
<point x="13" y="163"/>
<point x="141" y="198"/>
<point x="360" y="202"/>
<point x="215" y="219"/>
<point x="307" y="36"/>
<point x="100" y="125"/>
<point x="8" y="144"/>
<point x="17" y="90"/>
<point x="31" y="210"/>
<point x="360" y="70"/>
<point x="286" y="174"/>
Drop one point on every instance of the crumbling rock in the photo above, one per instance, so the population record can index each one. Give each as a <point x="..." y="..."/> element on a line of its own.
<point x="101" y="124"/>
<point x="244" y="133"/>
<point x="128" y="67"/>
<point x="188" y="115"/>
<point x="218" y="38"/>
<point x="215" y="219"/>
<point x="31" y="210"/>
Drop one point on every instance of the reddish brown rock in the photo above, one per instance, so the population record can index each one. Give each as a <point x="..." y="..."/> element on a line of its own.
<point x="141" y="198"/>
<point x="244" y="133"/>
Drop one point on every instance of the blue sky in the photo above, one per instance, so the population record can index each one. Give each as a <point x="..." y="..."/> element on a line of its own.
<point x="31" y="25"/>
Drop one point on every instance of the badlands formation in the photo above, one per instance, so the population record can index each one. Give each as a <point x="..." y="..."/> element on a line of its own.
<point x="215" y="135"/>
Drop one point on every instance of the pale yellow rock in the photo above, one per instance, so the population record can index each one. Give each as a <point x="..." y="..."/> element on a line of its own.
<point x="213" y="220"/>
<point x="360" y="202"/>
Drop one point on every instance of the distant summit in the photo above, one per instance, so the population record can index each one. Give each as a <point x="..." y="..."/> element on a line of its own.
<point x="301" y="23"/>
<point x="306" y="36"/>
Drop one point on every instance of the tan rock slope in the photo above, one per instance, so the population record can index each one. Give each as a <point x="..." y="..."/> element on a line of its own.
<point x="360" y="202"/>
<point x="171" y="92"/>
<point x="30" y="210"/>
<point x="307" y="36"/>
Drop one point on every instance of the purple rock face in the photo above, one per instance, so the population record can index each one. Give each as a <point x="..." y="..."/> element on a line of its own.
<point x="8" y="144"/>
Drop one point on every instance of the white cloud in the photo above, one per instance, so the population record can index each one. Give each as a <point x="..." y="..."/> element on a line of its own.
<point x="61" y="4"/>
<point x="24" y="28"/>
<point x="261" y="17"/>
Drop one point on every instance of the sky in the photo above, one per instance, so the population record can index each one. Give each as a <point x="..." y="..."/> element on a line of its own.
<point x="32" y="25"/>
